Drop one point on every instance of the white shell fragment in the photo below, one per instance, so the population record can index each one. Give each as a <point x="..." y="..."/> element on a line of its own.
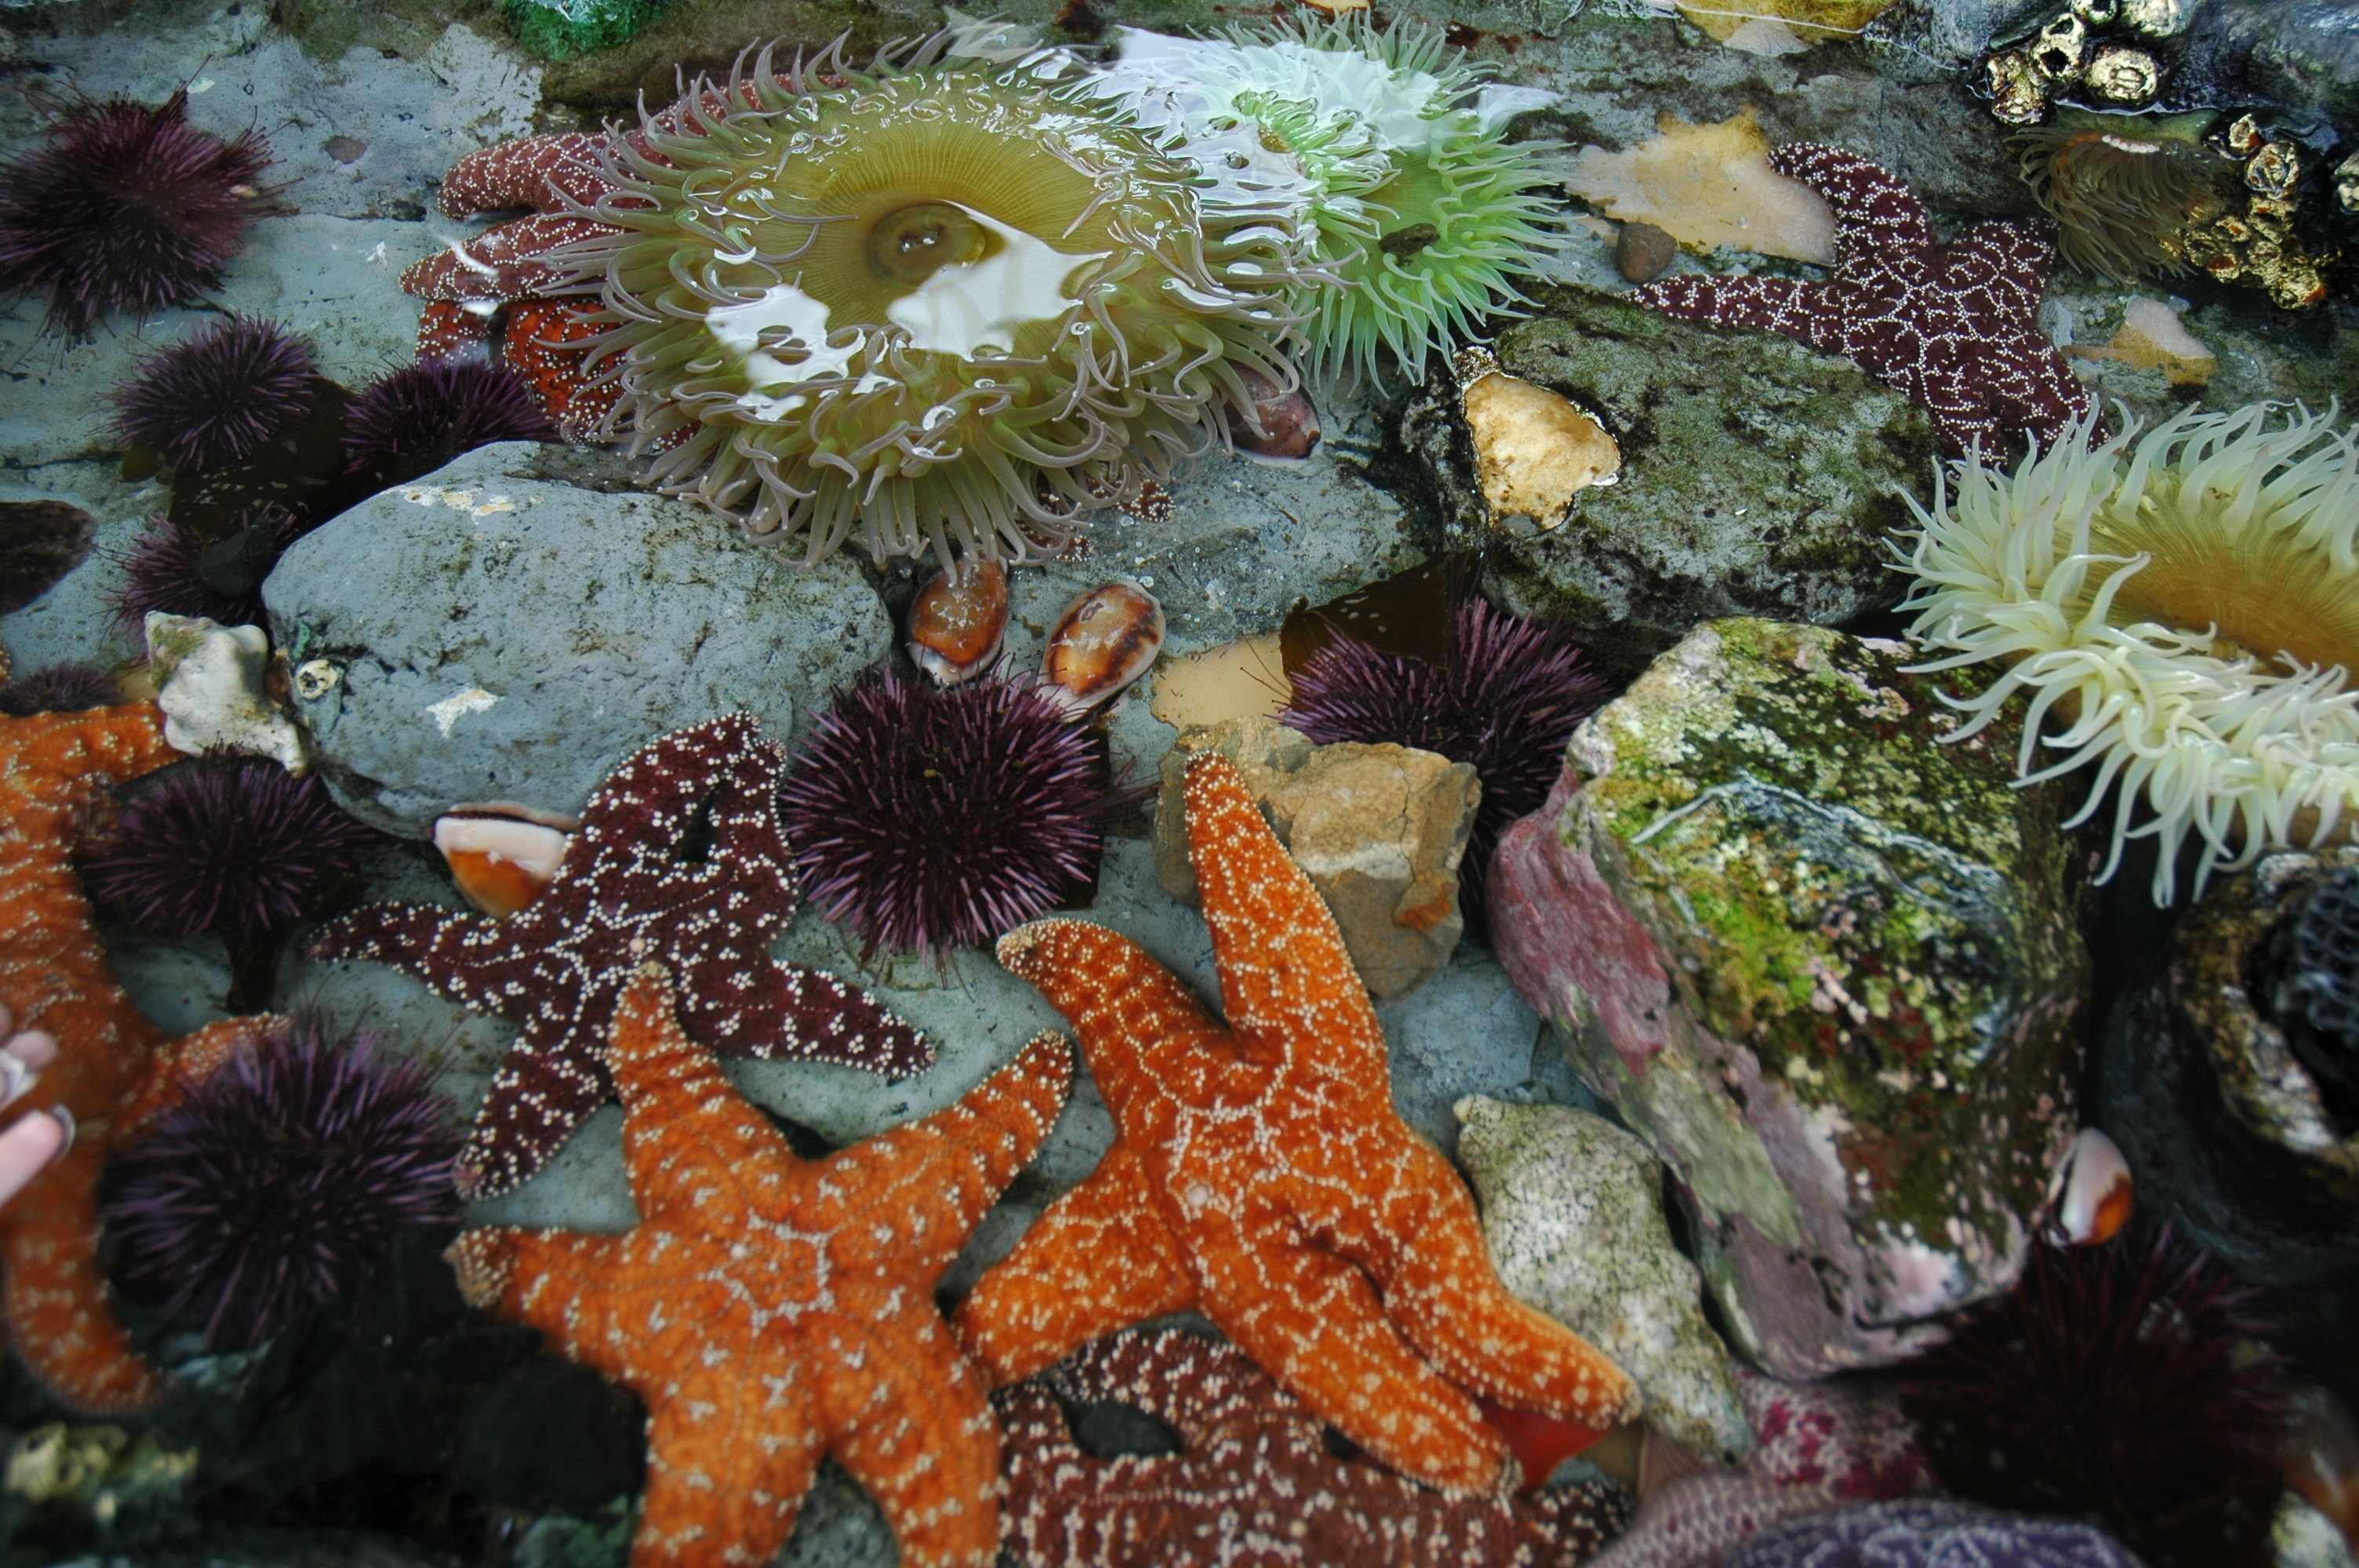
<point x="1103" y="640"/>
<point x="212" y="683"/>
<point x="2096" y="1194"/>
<point x="501" y="856"/>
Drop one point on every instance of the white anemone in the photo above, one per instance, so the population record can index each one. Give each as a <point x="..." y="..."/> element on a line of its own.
<point x="2181" y="609"/>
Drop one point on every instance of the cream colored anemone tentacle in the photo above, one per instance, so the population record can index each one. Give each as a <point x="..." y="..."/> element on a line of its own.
<point x="2180" y="612"/>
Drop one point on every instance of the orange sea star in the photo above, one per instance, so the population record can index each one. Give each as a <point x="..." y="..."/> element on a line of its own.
<point x="114" y="1069"/>
<point x="771" y="1310"/>
<point x="1260" y="1175"/>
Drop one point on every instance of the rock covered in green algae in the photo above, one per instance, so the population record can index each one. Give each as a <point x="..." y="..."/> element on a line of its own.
<point x="1572" y="1214"/>
<point x="1758" y="477"/>
<point x="1828" y="967"/>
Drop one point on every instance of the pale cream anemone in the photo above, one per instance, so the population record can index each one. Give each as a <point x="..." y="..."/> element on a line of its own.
<point x="2182" y="610"/>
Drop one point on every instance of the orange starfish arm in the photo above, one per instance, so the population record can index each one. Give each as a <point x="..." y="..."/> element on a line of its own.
<point x="1313" y="1321"/>
<point x="1101" y="1259"/>
<point x="668" y="1082"/>
<point x="1146" y="1035"/>
<point x="60" y="1317"/>
<point x="730" y="1456"/>
<point x="1444" y="1297"/>
<point x="910" y="1421"/>
<point x="74" y="750"/>
<point x="1286" y="982"/>
<point x="190" y="1060"/>
<point x="561" y="1282"/>
<point x="962" y="1157"/>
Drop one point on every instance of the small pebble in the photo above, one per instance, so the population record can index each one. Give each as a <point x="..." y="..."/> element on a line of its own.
<point x="1643" y="251"/>
<point x="345" y="149"/>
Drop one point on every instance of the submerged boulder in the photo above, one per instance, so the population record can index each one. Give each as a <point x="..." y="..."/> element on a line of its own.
<point x="493" y="632"/>
<point x="1757" y="477"/>
<point x="1573" y="1212"/>
<point x="1828" y="967"/>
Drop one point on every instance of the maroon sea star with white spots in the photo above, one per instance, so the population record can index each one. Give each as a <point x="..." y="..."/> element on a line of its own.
<point x="1953" y="326"/>
<point x="629" y="891"/>
<point x="1255" y="1485"/>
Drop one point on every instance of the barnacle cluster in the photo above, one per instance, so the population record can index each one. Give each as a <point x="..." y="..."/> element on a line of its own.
<point x="2182" y="610"/>
<point x="941" y="300"/>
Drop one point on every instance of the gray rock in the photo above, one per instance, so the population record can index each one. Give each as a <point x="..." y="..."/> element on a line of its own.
<point x="1573" y="1212"/>
<point x="354" y="132"/>
<point x="1380" y="831"/>
<point x="490" y="634"/>
<point x="1827" y="967"/>
<point x="2200" y="1080"/>
<point x="1758" y="477"/>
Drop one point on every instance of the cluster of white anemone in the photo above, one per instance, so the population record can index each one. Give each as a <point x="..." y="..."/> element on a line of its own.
<point x="2180" y="610"/>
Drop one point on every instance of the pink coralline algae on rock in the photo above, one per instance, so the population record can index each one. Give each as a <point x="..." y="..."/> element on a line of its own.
<point x="1826" y="965"/>
<point x="1954" y="325"/>
<point x="1819" y="1446"/>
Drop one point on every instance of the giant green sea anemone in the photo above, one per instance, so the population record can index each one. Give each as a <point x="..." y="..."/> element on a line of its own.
<point x="2182" y="609"/>
<point x="942" y="300"/>
<point x="1387" y="145"/>
<point x="2123" y="187"/>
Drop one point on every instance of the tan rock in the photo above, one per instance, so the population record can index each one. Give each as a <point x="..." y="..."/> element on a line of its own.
<point x="1534" y="449"/>
<point x="1379" y="829"/>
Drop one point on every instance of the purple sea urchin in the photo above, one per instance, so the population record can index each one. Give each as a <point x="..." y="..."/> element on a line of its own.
<point x="1507" y="700"/>
<point x="220" y="396"/>
<point x="281" y="1179"/>
<point x="235" y="845"/>
<point x="927" y="821"/>
<point x="173" y="567"/>
<point x="415" y="419"/>
<point x="58" y="688"/>
<point x="126" y="209"/>
<point x="1931" y="1532"/>
<point x="2119" y="1363"/>
<point x="965" y="301"/>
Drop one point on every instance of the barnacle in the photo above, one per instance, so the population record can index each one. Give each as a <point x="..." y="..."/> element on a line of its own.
<point x="1388" y="144"/>
<point x="2181" y="609"/>
<point x="941" y="299"/>
<point x="2123" y="188"/>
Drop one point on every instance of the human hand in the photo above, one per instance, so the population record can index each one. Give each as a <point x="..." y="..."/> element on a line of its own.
<point x="32" y="1141"/>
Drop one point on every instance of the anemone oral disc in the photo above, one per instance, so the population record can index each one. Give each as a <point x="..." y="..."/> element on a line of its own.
<point x="967" y="307"/>
<point x="739" y="328"/>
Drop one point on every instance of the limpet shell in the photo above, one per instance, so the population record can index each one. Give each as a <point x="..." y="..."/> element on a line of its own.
<point x="1103" y="640"/>
<point x="958" y="621"/>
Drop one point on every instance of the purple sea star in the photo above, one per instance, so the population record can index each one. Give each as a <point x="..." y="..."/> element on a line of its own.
<point x="1953" y="326"/>
<point x="630" y="891"/>
<point x="1819" y="1446"/>
<point x="1255" y="1484"/>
